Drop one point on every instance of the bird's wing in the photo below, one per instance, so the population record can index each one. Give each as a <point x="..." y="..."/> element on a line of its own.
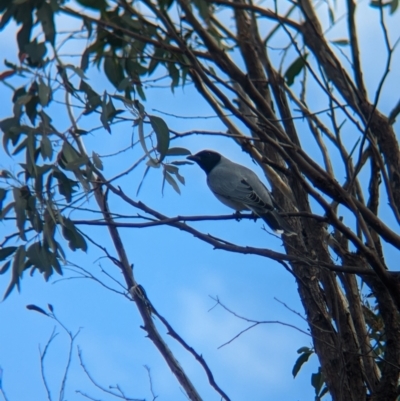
<point x="255" y="200"/>
<point x="240" y="191"/>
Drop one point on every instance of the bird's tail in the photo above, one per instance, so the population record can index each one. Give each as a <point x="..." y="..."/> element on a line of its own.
<point x="277" y="222"/>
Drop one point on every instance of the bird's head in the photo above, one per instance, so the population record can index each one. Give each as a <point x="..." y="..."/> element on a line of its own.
<point x="206" y="159"/>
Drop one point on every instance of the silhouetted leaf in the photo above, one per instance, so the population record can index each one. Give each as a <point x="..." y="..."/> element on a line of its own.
<point x="295" y="69"/>
<point x="113" y="69"/>
<point x="70" y="233"/>
<point x="174" y="75"/>
<point x="31" y="108"/>
<point x="317" y="381"/>
<point x="341" y="42"/>
<point x="20" y="147"/>
<point x="6" y="252"/>
<point x="20" y="208"/>
<point x="6" y="210"/>
<point x="37" y="309"/>
<point x="65" y="185"/>
<point x="93" y="98"/>
<point x="5" y="267"/>
<point x="46" y="17"/>
<point x="94" y="4"/>
<point x="17" y="270"/>
<point x="303" y="358"/>
<point x="36" y="52"/>
<point x="3" y="194"/>
<point x="141" y="182"/>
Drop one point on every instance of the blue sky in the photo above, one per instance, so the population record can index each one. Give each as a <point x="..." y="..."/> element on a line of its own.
<point x="179" y="273"/>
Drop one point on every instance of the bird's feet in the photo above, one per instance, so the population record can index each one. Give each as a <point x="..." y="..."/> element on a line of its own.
<point x="238" y="215"/>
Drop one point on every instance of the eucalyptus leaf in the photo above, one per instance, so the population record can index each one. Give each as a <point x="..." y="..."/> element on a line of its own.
<point x="36" y="309"/>
<point x="162" y="132"/>
<point x="97" y="161"/>
<point x="6" y="252"/>
<point x="294" y="69"/>
<point x="171" y="181"/>
<point x="178" y="152"/>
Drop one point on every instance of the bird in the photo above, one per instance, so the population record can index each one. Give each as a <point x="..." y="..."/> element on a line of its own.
<point x="239" y="188"/>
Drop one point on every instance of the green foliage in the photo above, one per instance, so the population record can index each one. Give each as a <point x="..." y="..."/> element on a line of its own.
<point x="295" y="69"/>
<point x="305" y="354"/>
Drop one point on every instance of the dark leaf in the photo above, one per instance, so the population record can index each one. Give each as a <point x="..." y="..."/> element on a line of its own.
<point x="99" y="5"/>
<point x="341" y="42"/>
<point x="36" y="52"/>
<point x="55" y="263"/>
<point x="162" y="132"/>
<point x="71" y="234"/>
<point x="24" y="34"/>
<point x="5" y="18"/>
<point x="20" y="147"/>
<point x="304" y="349"/>
<point x="17" y="269"/>
<point x="178" y="152"/>
<point x="50" y="306"/>
<point x="46" y="17"/>
<point x="140" y="92"/>
<point x="46" y="148"/>
<point x="113" y="69"/>
<point x="97" y="161"/>
<point x="6" y="252"/>
<point x="71" y="158"/>
<point x="158" y="55"/>
<point x="303" y="358"/>
<point x="36" y="308"/>
<point x="93" y="98"/>
<point x="6" y="210"/>
<point x="20" y="207"/>
<point x="317" y="381"/>
<point x="141" y="182"/>
<point x="331" y="16"/>
<point x="104" y="114"/>
<point x="37" y="257"/>
<point x="394" y="4"/>
<point x="3" y="194"/>
<point x="125" y="83"/>
<point x="31" y="108"/>
<point x="174" y="75"/>
<point x="323" y="392"/>
<point x="44" y="92"/>
<point x="65" y="185"/>
<point x="295" y="68"/>
<point x="5" y="267"/>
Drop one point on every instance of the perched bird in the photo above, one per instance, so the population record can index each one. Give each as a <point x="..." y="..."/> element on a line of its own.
<point x="239" y="188"/>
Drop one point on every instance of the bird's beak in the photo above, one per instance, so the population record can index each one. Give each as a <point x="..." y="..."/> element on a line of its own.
<point x="193" y="158"/>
